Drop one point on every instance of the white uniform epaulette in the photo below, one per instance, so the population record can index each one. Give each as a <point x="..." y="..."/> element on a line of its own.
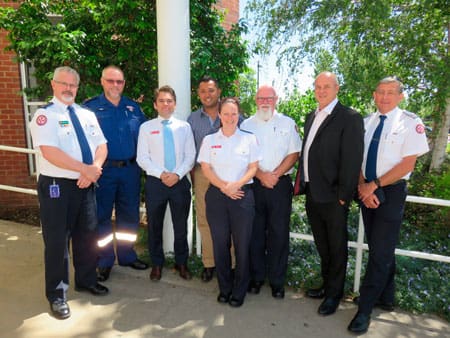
<point x="409" y="114"/>
<point x="245" y="131"/>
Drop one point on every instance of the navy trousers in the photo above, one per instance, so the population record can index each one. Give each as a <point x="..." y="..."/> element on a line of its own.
<point x="71" y="216"/>
<point x="269" y="246"/>
<point x="382" y="228"/>
<point x="231" y="220"/>
<point x="119" y="188"/>
<point x="157" y="196"/>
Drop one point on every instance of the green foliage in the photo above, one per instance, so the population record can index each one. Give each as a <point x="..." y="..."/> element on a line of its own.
<point x="91" y="34"/>
<point x="364" y="41"/>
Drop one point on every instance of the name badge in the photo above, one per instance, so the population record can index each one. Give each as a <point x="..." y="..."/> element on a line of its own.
<point x="54" y="190"/>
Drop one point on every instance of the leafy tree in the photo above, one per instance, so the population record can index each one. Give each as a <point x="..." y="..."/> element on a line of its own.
<point x="368" y="41"/>
<point x="91" y="34"/>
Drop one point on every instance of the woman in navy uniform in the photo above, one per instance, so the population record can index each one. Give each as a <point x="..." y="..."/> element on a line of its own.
<point x="229" y="159"/>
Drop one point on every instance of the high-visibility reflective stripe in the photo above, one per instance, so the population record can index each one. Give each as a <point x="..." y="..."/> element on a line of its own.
<point x="105" y="241"/>
<point x="126" y="237"/>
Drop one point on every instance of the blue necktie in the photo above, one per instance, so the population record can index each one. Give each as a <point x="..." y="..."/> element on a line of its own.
<point x="169" y="146"/>
<point x="371" y="162"/>
<point x="82" y="140"/>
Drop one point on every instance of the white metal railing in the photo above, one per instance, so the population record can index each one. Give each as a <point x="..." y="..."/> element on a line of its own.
<point x="359" y="244"/>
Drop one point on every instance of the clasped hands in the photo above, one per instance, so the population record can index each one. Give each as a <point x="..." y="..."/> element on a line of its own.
<point x="233" y="190"/>
<point x="90" y="173"/>
<point x="169" y="179"/>
<point x="367" y="196"/>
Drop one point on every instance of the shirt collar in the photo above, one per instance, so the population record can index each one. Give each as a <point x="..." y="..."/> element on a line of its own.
<point x="329" y="108"/>
<point x="389" y="114"/>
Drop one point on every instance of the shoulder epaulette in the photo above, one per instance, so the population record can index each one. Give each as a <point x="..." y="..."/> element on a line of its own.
<point x="45" y="106"/>
<point x="245" y="131"/>
<point x="89" y="99"/>
<point x="409" y="114"/>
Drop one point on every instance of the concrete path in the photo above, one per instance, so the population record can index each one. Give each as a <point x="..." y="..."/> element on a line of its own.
<point x="172" y="307"/>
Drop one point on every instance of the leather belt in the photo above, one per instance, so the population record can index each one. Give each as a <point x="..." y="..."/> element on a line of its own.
<point x="119" y="163"/>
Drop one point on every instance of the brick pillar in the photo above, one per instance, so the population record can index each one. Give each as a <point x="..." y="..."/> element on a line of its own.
<point x="13" y="166"/>
<point x="231" y="10"/>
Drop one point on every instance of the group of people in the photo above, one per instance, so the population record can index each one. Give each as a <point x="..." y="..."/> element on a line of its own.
<point x="91" y="162"/>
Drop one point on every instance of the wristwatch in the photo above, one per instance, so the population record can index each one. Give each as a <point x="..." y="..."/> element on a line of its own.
<point x="377" y="183"/>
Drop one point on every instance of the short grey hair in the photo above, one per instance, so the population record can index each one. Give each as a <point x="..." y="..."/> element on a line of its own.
<point x="392" y="79"/>
<point x="66" y="69"/>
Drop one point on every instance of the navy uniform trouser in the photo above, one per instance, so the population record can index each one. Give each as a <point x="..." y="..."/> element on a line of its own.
<point x="382" y="228"/>
<point x="71" y="216"/>
<point x="329" y="227"/>
<point x="269" y="246"/>
<point x="231" y="220"/>
<point x="157" y="195"/>
<point x="119" y="189"/>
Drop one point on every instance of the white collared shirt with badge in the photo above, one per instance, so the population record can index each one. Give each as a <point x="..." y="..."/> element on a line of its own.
<point x="150" y="148"/>
<point x="51" y="126"/>
<point x="277" y="138"/>
<point x="403" y="135"/>
<point x="229" y="157"/>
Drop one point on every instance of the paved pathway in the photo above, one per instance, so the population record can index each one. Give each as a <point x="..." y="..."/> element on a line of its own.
<point x="172" y="307"/>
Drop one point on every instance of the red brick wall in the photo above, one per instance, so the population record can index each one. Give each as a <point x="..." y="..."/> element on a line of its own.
<point x="13" y="166"/>
<point x="231" y="9"/>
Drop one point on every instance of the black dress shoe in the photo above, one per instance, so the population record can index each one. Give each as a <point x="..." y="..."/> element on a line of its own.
<point x="183" y="271"/>
<point x="278" y="292"/>
<point x="138" y="265"/>
<point x="360" y="323"/>
<point x="103" y="273"/>
<point x="316" y="293"/>
<point x="156" y="273"/>
<point x="328" y="306"/>
<point x="385" y="306"/>
<point x="255" y="286"/>
<point x="235" y="302"/>
<point x="96" y="290"/>
<point x="223" y="298"/>
<point x="207" y="274"/>
<point x="60" y="309"/>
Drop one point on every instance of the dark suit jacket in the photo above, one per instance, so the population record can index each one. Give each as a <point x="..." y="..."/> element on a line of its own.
<point x="335" y="156"/>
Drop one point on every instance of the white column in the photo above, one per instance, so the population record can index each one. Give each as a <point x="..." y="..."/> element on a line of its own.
<point x="172" y="17"/>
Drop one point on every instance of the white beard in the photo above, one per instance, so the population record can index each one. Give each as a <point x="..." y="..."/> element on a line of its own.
<point x="264" y="114"/>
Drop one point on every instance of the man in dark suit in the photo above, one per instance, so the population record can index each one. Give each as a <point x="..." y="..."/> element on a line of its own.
<point x="328" y="174"/>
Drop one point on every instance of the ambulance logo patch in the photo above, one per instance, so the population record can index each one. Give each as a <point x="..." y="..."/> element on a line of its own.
<point x="41" y="120"/>
<point x="420" y="129"/>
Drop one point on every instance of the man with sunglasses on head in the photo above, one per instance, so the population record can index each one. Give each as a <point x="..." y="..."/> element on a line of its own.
<point x="119" y="187"/>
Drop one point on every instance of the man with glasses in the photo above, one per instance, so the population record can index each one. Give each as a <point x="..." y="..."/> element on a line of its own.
<point x="72" y="150"/>
<point x="280" y="143"/>
<point x="119" y="187"/>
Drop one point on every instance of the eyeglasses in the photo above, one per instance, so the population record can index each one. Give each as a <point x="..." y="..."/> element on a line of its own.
<point x="117" y="82"/>
<point x="65" y="84"/>
<point x="268" y="98"/>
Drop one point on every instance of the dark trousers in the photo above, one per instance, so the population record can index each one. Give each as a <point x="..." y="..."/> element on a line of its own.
<point x="157" y="196"/>
<point x="382" y="228"/>
<point x="231" y="220"/>
<point x="269" y="246"/>
<point x="329" y="227"/>
<point x="119" y="188"/>
<point x="72" y="215"/>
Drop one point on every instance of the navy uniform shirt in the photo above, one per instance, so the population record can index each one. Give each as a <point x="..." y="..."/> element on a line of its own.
<point x="120" y="125"/>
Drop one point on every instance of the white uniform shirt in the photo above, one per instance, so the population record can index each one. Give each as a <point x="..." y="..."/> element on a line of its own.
<point x="51" y="126"/>
<point x="150" y="148"/>
<point x="229" y="157"/>
<point x="403" y="134"/>
<point x="277" y="138"/>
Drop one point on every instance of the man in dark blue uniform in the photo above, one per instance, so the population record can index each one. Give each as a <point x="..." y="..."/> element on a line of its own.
<point x="119" y="187"/>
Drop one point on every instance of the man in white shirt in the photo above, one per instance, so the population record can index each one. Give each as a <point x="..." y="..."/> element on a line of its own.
<point x="166" y="152"/>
